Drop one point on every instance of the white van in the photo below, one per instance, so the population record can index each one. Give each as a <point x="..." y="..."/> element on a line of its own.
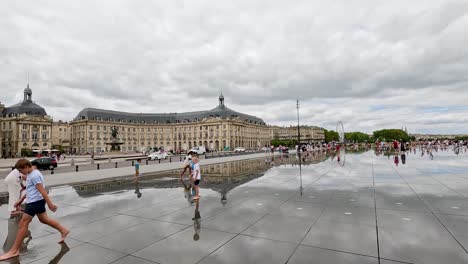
<point x="200" y="150"/>
<point x="157" y="156"/>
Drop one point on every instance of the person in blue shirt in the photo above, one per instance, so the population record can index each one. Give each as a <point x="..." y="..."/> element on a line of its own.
<point x="137" y="169"/>
<point x="36" y="199"/>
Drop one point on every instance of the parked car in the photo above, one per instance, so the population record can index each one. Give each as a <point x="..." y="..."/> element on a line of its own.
<point x="239" y="149"/>
<point x="198" y="150"/>
<point x="45" y="163"/>
<point x="157" y="156"/>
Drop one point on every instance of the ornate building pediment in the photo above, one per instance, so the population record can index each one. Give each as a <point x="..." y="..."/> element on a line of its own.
<point x="27" y="118"/>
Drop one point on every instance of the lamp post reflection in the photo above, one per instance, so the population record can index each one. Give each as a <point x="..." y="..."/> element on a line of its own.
<point x="301" y="189"/>
<point x="197" y="221"/>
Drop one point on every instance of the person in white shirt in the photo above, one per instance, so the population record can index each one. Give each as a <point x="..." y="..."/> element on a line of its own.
<point x="14" y="182"/>
<point x="196" y="177"/>
<point x="187" y="165"/>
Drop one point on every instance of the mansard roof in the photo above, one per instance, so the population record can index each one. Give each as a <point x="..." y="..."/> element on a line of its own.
<point x="25" y="107"/>
<point x="220" y="111"/>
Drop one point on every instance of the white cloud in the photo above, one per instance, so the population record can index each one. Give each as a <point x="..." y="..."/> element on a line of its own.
<point x="373" y="64"/>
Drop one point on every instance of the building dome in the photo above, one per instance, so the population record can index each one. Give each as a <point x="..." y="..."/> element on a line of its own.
<point x="26" y="107"/>
<point x="28" y="90"/>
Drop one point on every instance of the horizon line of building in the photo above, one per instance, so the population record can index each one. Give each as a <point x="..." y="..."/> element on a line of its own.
<point x="27" y="125"/>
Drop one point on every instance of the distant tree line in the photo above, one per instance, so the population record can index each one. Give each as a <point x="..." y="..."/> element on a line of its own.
<point x="380" y="135"/>
<point x="287" y="143"/>
<point x="391" y="134"/>
<point x="357" y="137"/>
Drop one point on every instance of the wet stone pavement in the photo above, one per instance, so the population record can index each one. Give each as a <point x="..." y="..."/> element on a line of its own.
<point x="361" y="209"/>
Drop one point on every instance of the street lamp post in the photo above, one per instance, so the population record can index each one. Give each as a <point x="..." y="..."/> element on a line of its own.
<point x="299" y="148"/>
<point x="298" y="129"/>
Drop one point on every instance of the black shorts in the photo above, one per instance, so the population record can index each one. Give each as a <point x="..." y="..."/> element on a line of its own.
<point x="196" y="182"/>
<point x="34" y="208"/>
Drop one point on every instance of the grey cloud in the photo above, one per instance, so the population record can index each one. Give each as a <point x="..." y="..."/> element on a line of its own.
<point x="338" y="58"/>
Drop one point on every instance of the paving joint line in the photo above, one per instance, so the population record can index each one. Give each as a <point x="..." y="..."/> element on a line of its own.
<point x="340" y="251"/>
<point x="432" y="211"/>
<point x="129" y="255"/>
<point x="316" y="220"/>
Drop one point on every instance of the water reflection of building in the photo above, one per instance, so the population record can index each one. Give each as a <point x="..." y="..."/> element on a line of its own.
<point x="222" y="177"/>
<point x="231" y="173"/>
<point x="225" y="177"/>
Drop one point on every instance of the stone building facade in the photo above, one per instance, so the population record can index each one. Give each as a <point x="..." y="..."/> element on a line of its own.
<point x="309" y="134"/>
<point x="217" y="129"/>
<point x="24" y="125"/>
<point x="61" y="135"/>
<point x="27" y="125"/>
<point x="2" y="107"/>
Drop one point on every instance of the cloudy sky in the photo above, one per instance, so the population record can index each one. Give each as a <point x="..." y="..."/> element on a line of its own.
<point x="370" y="63"/>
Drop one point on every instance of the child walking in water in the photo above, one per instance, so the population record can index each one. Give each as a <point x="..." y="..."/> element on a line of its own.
<point x="36" y="199"/>
<point x="137" y="169"/>
<point x="196" y="177"/>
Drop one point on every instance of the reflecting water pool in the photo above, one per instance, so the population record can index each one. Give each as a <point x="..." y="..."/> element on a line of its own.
<point x="317" y="208"/>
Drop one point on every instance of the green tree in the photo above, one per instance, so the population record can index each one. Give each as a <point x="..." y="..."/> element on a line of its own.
<point x="331" y="135"/>
<point x="288" y="143"/>
<point x="391" y="134"/>
<point x="357" y="137"/>
<point x="27" y="152"/>
<point x="60" y="148"/>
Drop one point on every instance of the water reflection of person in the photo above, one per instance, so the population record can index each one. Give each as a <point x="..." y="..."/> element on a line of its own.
<point x="403" y="159"/>
<point x="63" y="250"/>
<point x="13" y="225"/>
<point x="137" y="189"/>
<point x="197" y="222"/>
<point x="223" y="197"/>
<point x="396" y="160"/>
<point x="270" y="160"/>
<point x="187" y="191"/>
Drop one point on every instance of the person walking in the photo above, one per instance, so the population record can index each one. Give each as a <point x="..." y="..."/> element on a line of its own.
<point x="15" y="186"/>
<point x="36" y="199"/>
<point x="196" y="177"/>
<point x="14" y="183"/>
<point x="137" y="169"/>
<point x="186" y="166"/>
